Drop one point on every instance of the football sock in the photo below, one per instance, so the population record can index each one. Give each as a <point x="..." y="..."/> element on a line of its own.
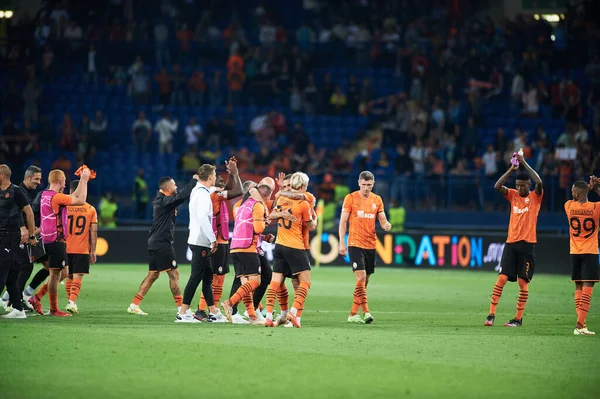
<point x="68" y="284"/>
<point x="137" y="299"/>
<point x="300" y="297"/>
<point x="249" y="303"/>
<point x="584" y="305"/>
<point x="75" y="288"/>
<point x="578" y="293"/>
<point x="361" y="290"/>
<point x="497" y="292"/>
<point x="42" y="292"/>
<point x="283" y="298"/>
<point x="235" y="285"/>
<point x="5" y="297"/>
<point x="523" y="296"/>
<point x="178" y="300"/>
<point x="53" y="302"/>
<point x="271" y="295"/>
<point x="217" y="286"/>
<point x="356" y="298"/>
<point x="243" y="291"/>
<point x="29" y="291"/>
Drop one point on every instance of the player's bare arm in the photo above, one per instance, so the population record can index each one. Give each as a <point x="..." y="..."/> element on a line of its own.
<point x="29" y="220"/>
<point x="342" y="232"/>
<point x="295" y="195"/>
<point x="385" y="225"/>
<point x="93" y="241"/>
<point x="282" y="215"/>
<point x="79" y="196"/>
<point x="499" y="186"/>
<point x="234" y="183"/>
<point x="311" y="224"/>
<point x="532" y="173"/>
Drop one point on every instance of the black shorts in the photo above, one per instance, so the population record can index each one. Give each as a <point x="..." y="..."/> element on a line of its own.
<point x="290" y="261"/>
<point x="57" y="255"/>
<point x="162" y="260"/>
<point x="362" y="259"/>
<point x="518" y="261"/>
<point x="246" y="263"/>
<point x="79" y="263"/>
<point x="585" y="268"/>
<point x="220" y="261"/>
<point x="42" y="259"/>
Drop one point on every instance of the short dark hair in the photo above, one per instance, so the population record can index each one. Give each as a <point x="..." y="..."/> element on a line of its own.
<point x="163" y="181"/>
<point x="582" y="186"/>
<point x="288" y="176"/>
<point x="73" y="185"/>
<point x="205" y="171"/>
<point x="523" y="177"/>
<point x="32" y="170"/>
<point x="366" y="175"/>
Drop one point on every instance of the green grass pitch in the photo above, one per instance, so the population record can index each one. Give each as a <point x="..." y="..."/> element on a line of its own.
<point x="428" y="341"/>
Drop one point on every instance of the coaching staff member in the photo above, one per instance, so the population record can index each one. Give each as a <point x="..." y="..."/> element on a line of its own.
<point x="202" y="242"/>
<point x="13" y="201"/>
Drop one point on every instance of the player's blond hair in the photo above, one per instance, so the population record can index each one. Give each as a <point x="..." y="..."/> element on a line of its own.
<point x="56" y="176"/>
<point x="299" y="180"/>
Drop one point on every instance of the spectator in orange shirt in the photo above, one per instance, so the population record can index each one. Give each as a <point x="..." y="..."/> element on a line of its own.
<point x="235" y="79"/>
<point x="184" y="35"/>
<point x="196" y="88"/>
<point x="235" y="60"/>
<point x="163" y="82"/>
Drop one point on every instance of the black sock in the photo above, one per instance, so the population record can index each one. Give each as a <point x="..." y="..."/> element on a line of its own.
<point x="234" y="287"/>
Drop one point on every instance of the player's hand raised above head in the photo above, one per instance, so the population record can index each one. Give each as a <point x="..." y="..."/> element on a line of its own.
<point x="85" y="174"/>
<point x="231" y="166"/>
<point x="280" y="179"/>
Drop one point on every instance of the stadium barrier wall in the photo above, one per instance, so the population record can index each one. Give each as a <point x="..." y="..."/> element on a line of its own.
<point x="431" y="250"/>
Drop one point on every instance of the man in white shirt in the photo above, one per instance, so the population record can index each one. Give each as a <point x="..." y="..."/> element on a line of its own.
<point x="165" y="129"/>
<point x="193" y="132"/>
<point x="202" y="242"/>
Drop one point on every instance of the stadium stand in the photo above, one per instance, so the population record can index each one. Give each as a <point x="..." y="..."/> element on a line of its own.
<point x="433" y="100"/>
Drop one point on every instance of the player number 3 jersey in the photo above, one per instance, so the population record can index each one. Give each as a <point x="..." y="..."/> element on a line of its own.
<point x="583" y="226"/>
<point x="363" y="214"/>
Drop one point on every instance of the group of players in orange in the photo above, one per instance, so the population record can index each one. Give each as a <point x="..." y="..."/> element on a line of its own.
<point x="293" y="210"/>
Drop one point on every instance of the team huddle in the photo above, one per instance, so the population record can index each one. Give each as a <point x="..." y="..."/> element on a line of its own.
<point x="66" y="225"/>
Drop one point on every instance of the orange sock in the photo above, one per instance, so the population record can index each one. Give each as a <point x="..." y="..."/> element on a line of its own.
<point x="497" y="292"/>
<point x="271" y="294"/>
<point x="300" y="296"/>
<point x="249" y="303"/>
<point x="245" y="289"/>
<point x="523" y="296"/>
<point x="53" y="302"/>
<point x="584" y="306"/>
<point x="178" y="300"/>
<point x="202" y="304"/>
<point x="361" y="289"/>
<point x="217" y="286"/>
<point x="42" y="291"/>
<point x="75" y="289"/>
<point x="137" y="299"/>
<point x="299" y="312"/>
<point x="283" y="298"/>
<point x="356" y="298"/>
<point x="68" y="285"/>
<point x="578" y="293"/>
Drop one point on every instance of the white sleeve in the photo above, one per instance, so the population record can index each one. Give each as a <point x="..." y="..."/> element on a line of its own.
<point x="206" y="219"/>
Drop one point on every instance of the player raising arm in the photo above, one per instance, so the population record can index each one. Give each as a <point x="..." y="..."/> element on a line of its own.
<point x="518" y="256"/>
<point x="583" y="218"/>
<point x="361" y="208"/>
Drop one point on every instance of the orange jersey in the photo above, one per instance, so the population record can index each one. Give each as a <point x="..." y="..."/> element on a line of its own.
<point x="583" y="226"/>
<point x="259" y="224"/>
<point x="217" y="198"/>
<point x="363" y="214"/>
<point x="523" y="216"/>
<point x="289" y="233"/>
<point x="235" y="208"/>
<point x="305" y="232"/>
<point x="81" y="218"/>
